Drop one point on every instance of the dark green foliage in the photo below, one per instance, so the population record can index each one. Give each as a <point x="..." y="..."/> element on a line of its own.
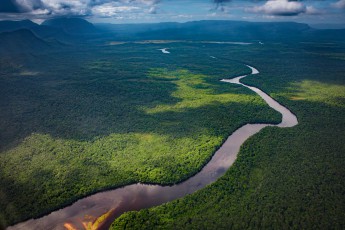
<point x="86" y="119"/>
<point x="21" y="41"/>
<point x="79" y="120"/>
<point x="283" y="178"/>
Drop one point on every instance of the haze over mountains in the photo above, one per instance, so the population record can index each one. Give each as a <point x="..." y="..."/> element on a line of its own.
<point x="31" y="37"/>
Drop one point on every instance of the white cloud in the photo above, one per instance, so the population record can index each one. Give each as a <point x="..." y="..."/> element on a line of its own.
<point x="152" y="10"/>
<point x="182" y="16"/>
<point x="104" y="8"/>
<point x="312" y="11"/>
<point x="27" y="5"/>
<point x="55" y="7"/>
<point x="280" y="8"/>
<point x="146" y="2"/>
<point x="112" y="9"/>
<point x="340" y="4"/>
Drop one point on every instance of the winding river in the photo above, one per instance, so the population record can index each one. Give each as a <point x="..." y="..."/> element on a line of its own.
<point x="139" y="196"/>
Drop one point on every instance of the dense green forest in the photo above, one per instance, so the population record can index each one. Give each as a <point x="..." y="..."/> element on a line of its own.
<point x="290" y="178"/>
<point x="89" y="107"/>
<point x="83" y="119"/>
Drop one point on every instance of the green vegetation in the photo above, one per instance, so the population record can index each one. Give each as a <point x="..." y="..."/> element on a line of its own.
<point x="82" y="120"/>
<point x="86" y="119"/>
<point x="283" y="178"/>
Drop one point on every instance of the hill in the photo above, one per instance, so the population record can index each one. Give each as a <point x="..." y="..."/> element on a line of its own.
<point x="232" y="30"/>
<point x="72" y="25"/>
<point x="80" y="31"/>
<point x="222" y="31"/>
<point x="21" y="41"/>
<point x="7" y="26"/>
<point x="210" y="30"/>
<point x="329" y="35"/>
<point x="42" y="31"/>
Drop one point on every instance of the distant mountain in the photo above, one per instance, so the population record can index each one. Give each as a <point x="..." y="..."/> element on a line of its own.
<point x="79" y="31"/>
<point x="135" y="28"/>
<point x="44" y="32"/>
<point x="330" y="35"/>
<point x="72" y="26"/>
<point x="21" y="41"/>
<point x="230" y="30"/>
<point x="7" y="26"/>
<point x="132" y="31"/>
<point x="209" y="30"/>
<point x="325" y="26"/>
<point x="223" y="31"/>
<point x="66" y="30"/>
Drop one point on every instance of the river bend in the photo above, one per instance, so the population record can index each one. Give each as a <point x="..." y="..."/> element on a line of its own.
<point x="139" y="196"/>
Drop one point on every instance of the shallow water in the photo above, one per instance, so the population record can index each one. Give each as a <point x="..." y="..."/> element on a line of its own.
<point x="139" y="196"/>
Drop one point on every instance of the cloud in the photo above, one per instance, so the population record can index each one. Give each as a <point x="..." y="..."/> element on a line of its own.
<point x="112" y="9"/>
<point x="280" y="8"/>
<point x="153" y="10"/>
<point x="54" y="7"/>
<point x="159" y="9"/>
<point x="313" y="11"/>
<point x="220" y="4"/>
<point x="147" y="2"/>
<point x="103" y="8"/>
<point x="339" y="4"/>
<point x="8" y="6"/>
<point x="221" y="1"/>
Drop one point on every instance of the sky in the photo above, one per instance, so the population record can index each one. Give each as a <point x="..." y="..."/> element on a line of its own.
<point x="147" y="11"/>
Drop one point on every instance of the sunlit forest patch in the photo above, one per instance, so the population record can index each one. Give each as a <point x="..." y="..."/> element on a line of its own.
<point x="193" y="92"/>
<point x="332" y="94"/>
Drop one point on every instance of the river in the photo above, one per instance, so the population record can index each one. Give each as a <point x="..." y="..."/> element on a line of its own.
<point x="139" y="196"/>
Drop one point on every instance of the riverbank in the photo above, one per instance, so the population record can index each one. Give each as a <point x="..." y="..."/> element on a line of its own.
<point x="138" y="196"/>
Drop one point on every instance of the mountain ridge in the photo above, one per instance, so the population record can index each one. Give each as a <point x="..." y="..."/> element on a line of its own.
<point x="71" y="25"/>
<point x="22" y="41"/>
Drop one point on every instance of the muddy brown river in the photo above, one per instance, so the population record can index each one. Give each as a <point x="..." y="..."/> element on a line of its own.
<point x="139" y="196"/>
